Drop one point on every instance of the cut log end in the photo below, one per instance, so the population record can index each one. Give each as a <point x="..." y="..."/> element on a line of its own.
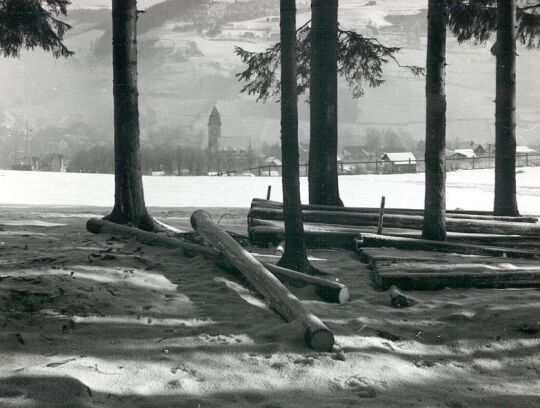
<point x="94" y="226"/>
<point x="344" y="296"/>
<point x="319" y="340"/>
<point x="399" y="302"/>
<point x="199" y="214"/>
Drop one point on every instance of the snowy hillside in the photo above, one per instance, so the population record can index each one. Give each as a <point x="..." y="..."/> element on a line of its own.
<point x="184" y="72"/>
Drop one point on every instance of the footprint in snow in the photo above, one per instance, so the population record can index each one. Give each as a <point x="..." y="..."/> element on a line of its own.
<point x="357" y="384"/>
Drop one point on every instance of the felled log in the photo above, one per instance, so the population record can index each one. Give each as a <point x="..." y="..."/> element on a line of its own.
<point x="328" y="290"/>
<point x="425" y="276"/>
<point x="264" y="232"/>
<point x="316" y="334"/>
<point x="403" y="221"/>
<point x="331" y="291"/>
<point x="373" y="240"/>
<point x="463" y="214"/>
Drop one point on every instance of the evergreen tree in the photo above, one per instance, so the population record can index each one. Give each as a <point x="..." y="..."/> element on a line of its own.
<point x="505" y="110"/>
<point x="294" y="256"/>
<point x="33" y="23"/>
<point x="434" y="227"/>
<point x="359" y="61"/>
<point x="477" y="20"/>
<point x="129" y="206"/>
<point x="323" y="97"/>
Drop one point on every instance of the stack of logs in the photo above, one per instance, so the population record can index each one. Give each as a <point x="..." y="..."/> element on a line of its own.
<point x="327" y="226"/>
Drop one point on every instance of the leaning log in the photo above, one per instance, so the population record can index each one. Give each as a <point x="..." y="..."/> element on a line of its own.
<point x="316" y="334"/>
<point x="463" y="214"/>
<point x="403" y="221"/>
<point x="381" y="241"/>
<point x="328" y="290"/>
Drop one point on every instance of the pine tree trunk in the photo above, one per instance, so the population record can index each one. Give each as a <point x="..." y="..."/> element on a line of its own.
<point x="294" y="256"/>
<point x="323" y="172"/>
<point x="505" y="110"/>
<point x="434" y="227"/>
<point x="129" y="206"/>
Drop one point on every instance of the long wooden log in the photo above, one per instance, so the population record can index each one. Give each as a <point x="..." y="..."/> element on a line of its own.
<point x="328" y="290"/>
<point x="373" y="240"/>
<point x="316" y="334"/>
<point x="424" y="276"/>
<point x="403" y="221"/>
<point x="264" y="232"/>
<point x="463" y="214"/>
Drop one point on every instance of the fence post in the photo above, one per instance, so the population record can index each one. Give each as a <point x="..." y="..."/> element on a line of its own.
<point x="269" y="169"/>
<point x="473" y="162"/>
<point x="526" y="159"/>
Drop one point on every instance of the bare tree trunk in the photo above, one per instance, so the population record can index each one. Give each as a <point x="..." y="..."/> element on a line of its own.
<point x="435" y="195"/>
<point x="505" y="111"/>
<point x="323" y="173"/>
<point x="129" y="206"/>
<point x="294" y="256"/>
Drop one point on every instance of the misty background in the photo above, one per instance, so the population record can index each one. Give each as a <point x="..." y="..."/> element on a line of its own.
<point x="187" y="66"/>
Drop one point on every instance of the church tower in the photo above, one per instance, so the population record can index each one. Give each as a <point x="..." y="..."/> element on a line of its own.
<point x="214" y="130"/>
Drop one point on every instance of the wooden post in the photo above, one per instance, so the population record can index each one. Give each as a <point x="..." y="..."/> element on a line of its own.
<point x="381" y="216"/>
<point x="316" y="334"/>
<point x="268" y="192"/>
<point x="269" y="169"/>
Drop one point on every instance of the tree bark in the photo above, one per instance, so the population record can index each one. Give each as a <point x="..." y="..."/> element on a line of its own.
<point x="323" y="173"/>
<point x="505" y="110"/>
<point x="294" y="256"/>
<point x="435" y="188"/>
<point x="129" y="206"/>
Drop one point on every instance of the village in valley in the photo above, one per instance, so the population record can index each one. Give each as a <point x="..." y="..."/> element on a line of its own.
<point x="262" y="203"/>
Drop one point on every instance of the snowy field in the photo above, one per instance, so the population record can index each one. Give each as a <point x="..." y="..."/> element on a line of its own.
<point x="467" y="189"/>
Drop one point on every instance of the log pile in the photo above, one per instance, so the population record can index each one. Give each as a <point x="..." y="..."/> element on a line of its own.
<point x="316" y="334"/>
<point x="265" y="277"/>
<point x="338" y="227"/>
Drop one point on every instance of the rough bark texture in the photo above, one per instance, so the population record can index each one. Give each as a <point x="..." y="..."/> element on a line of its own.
<point x="294" y="256"/>
<point x="129" y="206"/>
<point x="323" y="174"/>
<point x="505" y="110"/>
<point x="435" y="194"/>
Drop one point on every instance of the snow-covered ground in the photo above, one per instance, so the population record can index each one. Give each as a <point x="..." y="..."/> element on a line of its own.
<point x="467" y="189"/>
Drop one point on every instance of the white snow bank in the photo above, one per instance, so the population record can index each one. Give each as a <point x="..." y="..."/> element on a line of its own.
<point x="467" y="189"/>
